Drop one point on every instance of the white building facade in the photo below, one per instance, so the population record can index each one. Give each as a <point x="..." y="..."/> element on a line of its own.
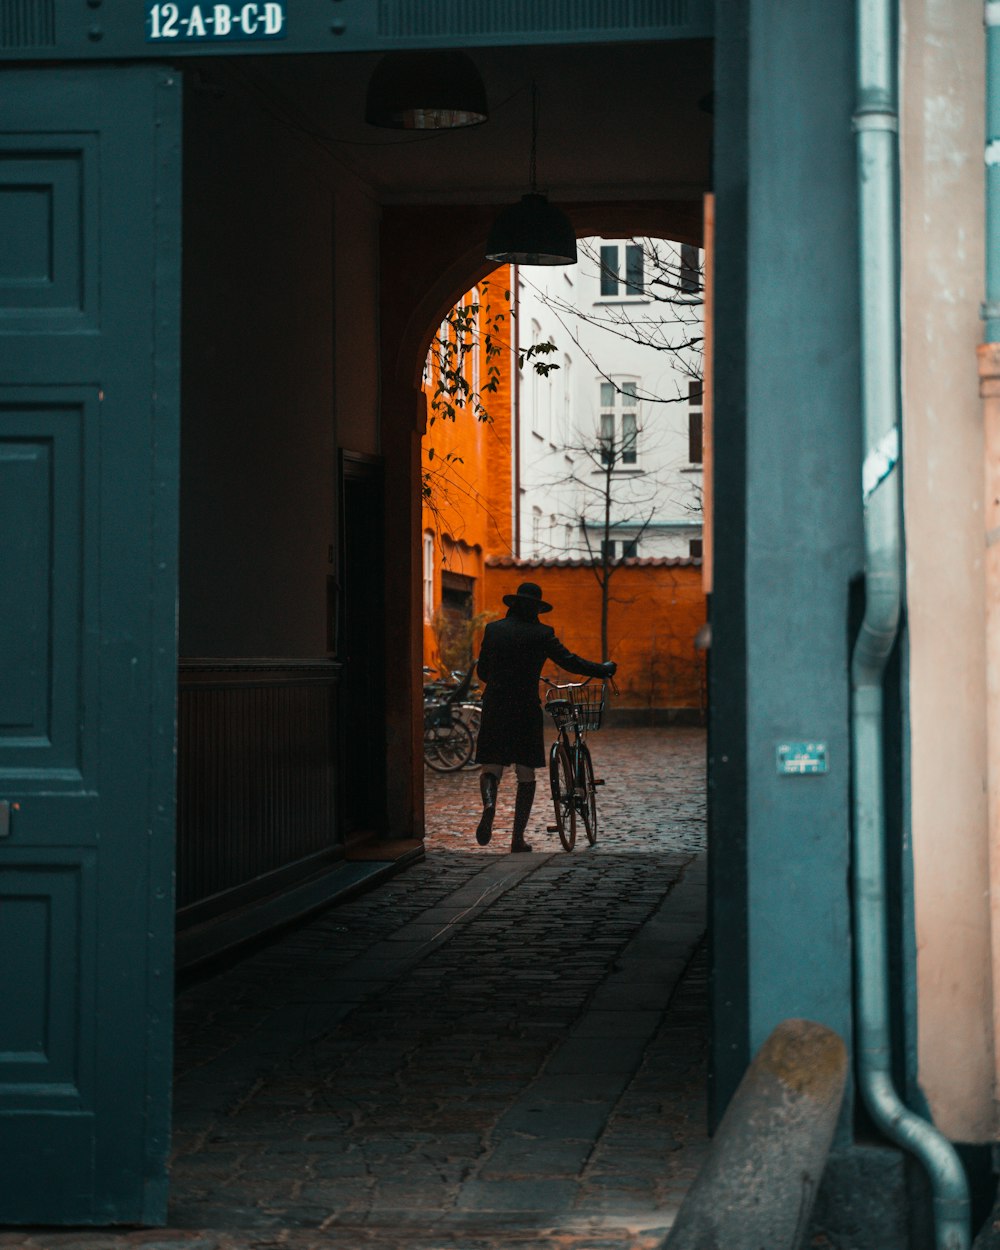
<point x="609" y="440"/>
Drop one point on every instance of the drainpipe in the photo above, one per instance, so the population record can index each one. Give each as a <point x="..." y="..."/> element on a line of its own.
<point x="875" y="125"/>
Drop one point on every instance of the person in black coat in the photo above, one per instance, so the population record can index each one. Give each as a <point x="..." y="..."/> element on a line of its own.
<point x="510" y="663"/>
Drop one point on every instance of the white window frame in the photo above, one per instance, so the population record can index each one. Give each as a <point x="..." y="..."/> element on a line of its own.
<point x="619" y="421"/>
<point x="613" y="274"/>
<point x="428" y="575"/>
<point x="566" y="417"/>
<point x="474" y="372"/>
<point x="535" y="394"/>
<point x="441" y="357"/>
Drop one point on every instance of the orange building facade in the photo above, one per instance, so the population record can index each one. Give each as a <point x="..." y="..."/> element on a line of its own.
<point x="467" y="465"/>
<point x="656" y="608"/>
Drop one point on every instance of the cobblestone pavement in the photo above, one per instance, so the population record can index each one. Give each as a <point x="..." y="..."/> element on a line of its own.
<point x="653" y="797"/>
<point x="489" y="1050"/>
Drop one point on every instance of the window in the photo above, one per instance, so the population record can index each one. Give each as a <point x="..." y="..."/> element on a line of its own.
<point x="695" y="423"/>
<point x="475" y="345"/>
<point x="442" y="347"/>
<point x="619" y="431"/>
<point x="536" y="530"/>
<point x="566" y="418"/>
<point x="428" y="576"/>
<point x="695" y="548"/>
<point x="690" y="270"/>
<point x="614" y="258"/>
<point x="536" y="407"/>
<point x="629" y="546"/>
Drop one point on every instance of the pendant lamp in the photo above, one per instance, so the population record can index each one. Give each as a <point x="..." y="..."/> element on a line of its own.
<point x="433" y="90"/>
<point x="533" y="231"/>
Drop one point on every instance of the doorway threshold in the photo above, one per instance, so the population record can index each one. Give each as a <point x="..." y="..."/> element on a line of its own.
<point x="364" y="866"/>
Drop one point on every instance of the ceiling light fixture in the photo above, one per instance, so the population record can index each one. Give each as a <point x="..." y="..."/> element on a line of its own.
<point x="533" y="231"/>
<point x="432" y="90"/>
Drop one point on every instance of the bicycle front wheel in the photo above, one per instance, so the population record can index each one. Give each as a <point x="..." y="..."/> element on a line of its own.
<point x="448" y="747"/>
<point x="563" y="800"/>
<point x="588" y="797"/>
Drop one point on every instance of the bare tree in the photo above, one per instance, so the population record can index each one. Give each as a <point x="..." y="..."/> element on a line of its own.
<point x="609" y="506"/>
<point x="607" y="492"/>
<point x="669" y="279"/>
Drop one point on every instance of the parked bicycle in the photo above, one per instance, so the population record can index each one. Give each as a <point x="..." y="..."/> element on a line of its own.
<point x="575" y="707"/>
<point x="449" y="738"/>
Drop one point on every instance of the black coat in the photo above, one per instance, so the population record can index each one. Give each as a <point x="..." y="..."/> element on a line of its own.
<point x="510" y="663"/>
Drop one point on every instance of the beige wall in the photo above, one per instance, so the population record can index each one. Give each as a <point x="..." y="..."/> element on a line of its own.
<point x="942" y="207"/>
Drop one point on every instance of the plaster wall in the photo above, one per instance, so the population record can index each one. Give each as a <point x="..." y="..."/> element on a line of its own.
<point x="941" y="137"/>
<point x="268" y="217"/>
<point x="355" y="291"/>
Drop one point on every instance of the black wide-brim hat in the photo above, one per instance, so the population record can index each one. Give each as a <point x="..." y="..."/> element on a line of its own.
<point x="528" y="596"/>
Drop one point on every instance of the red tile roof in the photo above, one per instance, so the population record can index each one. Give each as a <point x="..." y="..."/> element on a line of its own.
<point x="569" y="562"/>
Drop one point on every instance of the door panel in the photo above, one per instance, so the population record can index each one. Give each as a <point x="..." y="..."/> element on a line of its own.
<point x="46" y="498"/>
<point x="89" y="302"/>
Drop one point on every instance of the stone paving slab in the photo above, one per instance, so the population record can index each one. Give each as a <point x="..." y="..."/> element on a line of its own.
<point x="489" y="1050"/>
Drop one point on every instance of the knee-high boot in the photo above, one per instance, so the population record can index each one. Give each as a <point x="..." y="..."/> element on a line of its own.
<point x="488" y="783"/>
<point x="522" y="810"/>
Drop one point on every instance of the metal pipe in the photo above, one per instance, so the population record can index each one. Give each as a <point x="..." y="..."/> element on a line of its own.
<point x="876" y="125"/>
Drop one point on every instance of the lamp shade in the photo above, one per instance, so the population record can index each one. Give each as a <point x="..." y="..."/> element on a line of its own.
<point x="435" y="90"/>
<point x="532" y="232"/>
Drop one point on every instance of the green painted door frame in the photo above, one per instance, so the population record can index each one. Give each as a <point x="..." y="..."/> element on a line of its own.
<point x="89" y="228"/>
<point x="90" y="194"/>
<point x="64" y="29"/>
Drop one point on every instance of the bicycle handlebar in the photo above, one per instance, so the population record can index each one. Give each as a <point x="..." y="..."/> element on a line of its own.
<point x="578" y="685"/>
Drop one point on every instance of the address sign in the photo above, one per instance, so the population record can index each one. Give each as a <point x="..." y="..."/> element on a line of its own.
<point x="186" y="21"/>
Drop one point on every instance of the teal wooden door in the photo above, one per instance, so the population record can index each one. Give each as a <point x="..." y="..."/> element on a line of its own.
<point x="89" y="251"/>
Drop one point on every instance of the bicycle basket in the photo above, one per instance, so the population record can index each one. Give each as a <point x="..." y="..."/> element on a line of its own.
<point x="582" y="706"/>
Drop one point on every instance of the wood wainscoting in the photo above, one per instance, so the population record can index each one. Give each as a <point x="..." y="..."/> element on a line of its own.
<point x="256" y="780"/>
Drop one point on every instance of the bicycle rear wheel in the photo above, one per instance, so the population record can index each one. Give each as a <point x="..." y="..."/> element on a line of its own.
<point x="588" y="799"/>
<point x="563" y="800"/>
<point x="448" y="747"/>
<point x="471" y="715"/>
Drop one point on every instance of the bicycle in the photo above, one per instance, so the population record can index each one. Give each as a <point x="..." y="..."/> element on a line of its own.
<point x="470" y="712"/>
<point x="449" y="743"/>
<point x="571" y="770"/>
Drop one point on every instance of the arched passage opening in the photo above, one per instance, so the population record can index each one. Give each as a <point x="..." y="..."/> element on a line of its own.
<point x="430" y="258"/>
